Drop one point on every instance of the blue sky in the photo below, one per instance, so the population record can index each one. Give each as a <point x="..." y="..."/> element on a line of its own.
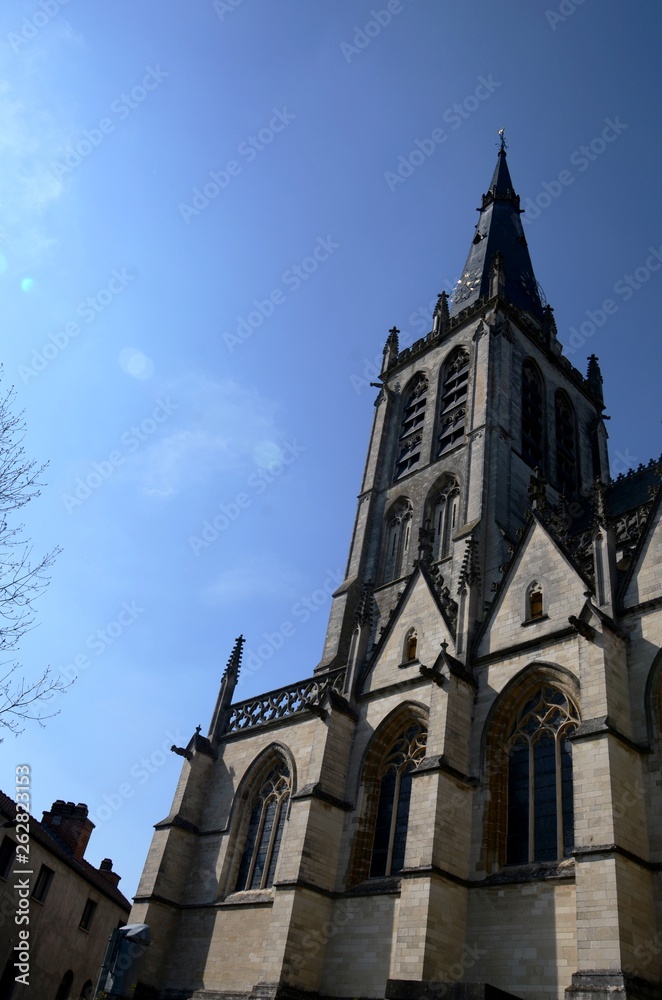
<point x="210" y="216"/>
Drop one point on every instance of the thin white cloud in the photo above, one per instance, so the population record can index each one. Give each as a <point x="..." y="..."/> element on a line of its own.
<point x="217" y="427"/>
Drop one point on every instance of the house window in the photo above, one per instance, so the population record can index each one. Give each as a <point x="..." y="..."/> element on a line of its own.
<point x="540" y="806"/>
<point x="453" y="400"/>
<point x="7" y="855"/>
<point x="394" y="777"/>
<point x="566" y="446"/>
<point x="532" y="412"/>
<point x="43" y="884"/>
<point x="265" y="830"/>
<point x="411" y="644"/>
<point x="446" y="512"/>
<point x="398" y="531"/>
<point x="413" y="416"/>
<point x="88" y="915"/>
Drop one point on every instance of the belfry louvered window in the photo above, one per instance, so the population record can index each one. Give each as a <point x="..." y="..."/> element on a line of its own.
<point x="566" y="445"/>
<point x="265" y="830"/>
<point x="390" y="837"/>
<point x="532" y="415"/>
<point x="540" y="806"/>
<point x="453" y="401"/>
<point x="411" y="427"/>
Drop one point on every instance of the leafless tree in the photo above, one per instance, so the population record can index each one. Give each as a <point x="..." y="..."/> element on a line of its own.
<point x="22" y="579"/>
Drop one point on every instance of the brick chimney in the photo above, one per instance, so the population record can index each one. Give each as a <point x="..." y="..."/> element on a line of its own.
<point x="106" y="869"/>
<point x="70" y="825"/>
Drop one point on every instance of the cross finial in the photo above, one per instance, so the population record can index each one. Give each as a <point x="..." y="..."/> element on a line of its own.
<point x="502" y="136"/>
<point x="394" y="330"/>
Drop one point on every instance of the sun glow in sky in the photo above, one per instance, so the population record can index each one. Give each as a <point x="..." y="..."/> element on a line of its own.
<point x="211" y="214"/>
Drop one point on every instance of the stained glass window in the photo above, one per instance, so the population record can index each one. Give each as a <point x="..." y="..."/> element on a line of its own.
<point x="265" y="830"/>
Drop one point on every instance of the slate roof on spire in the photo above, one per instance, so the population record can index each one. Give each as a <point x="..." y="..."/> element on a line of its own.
<point x="499" y="231"/>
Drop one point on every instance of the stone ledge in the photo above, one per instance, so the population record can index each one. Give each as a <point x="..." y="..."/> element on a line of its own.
<point x="410" y="989"/>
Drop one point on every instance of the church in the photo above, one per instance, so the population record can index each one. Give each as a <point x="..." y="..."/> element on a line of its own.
<point x="464" y="798"/>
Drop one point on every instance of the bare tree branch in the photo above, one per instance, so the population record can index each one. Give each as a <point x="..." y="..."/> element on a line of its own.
<point x="22" y="578"/>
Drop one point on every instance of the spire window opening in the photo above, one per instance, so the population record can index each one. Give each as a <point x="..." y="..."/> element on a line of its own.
<point x="567" y="467"/>
<point x="532" y="416"/>
<point x="446" y="517"/>
<point x="452" y="406"/>
<point x="413" y="417"/>
<point x="398" y="532"/>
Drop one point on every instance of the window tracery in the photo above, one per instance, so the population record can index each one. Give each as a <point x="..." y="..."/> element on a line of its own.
<point x="394" y="777"/>
<point x="539" y="783"/>
<point x="265" y="830"/>
<point x="446" y="515"/>
<point x="398" y="532"/>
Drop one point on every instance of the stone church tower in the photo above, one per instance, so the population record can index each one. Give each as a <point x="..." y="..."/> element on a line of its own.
<point x="466" y="795"/>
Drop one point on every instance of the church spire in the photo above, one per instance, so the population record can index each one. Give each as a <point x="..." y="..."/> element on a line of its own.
<point x="499" y="232"/>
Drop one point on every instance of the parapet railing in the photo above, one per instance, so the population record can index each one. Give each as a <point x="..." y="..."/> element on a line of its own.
<point x="303" y="696"/>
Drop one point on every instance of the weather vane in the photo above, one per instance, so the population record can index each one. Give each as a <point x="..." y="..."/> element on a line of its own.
<point x="502" y="136"/>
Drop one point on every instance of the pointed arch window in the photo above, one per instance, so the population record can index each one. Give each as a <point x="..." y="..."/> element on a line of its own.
<point x="394" y="777"/>
<point x="566" y="445"/>
<point x="398" y="533"/>
<point x="534" y="602"/>
<point x="413" y="417"/>
<point x="411" y="645"/>
<point x="532" y="415"/>
<point x="445" y="516"/>
<point x="265" y="830"/>
<point x="540" y="805"/>
<point x="453" y="401"/>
